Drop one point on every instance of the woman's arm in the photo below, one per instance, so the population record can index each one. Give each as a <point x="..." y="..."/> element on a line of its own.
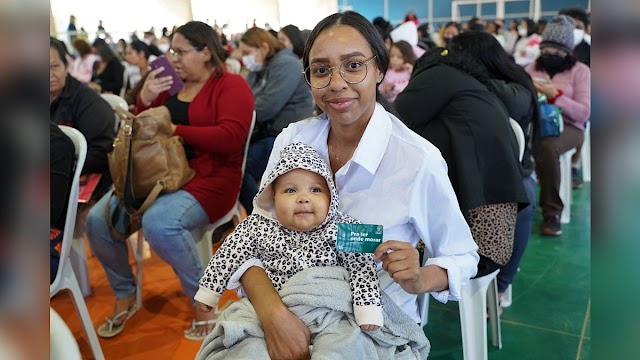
<point x="578" y="107"/>
<point x="286" y="335"/>
<point x="283" y="77"/>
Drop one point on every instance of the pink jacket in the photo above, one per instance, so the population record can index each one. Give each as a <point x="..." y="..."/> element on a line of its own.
<point x="575" y="84"/>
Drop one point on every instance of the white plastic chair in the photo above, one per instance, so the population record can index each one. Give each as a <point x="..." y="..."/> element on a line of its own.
<point x="517" y="130"/>
<point x="115" y="102"/>
<point x="585" y="154"/>
<point x="62" y="344"/>
<point x="474" y="298"/>
<point x="66" y="278"/>
<point x="566" y="186"/>
<point x="204" y="245"/>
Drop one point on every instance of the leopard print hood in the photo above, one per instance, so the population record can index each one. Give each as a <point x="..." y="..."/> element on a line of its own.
<point x="296" y="156"/>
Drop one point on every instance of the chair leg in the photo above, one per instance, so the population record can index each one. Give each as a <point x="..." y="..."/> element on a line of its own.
<point x="81" y="307"/>
<point x="139" y="259"/>
<point x="494" y="315"/>
<point x="474" y="325"/>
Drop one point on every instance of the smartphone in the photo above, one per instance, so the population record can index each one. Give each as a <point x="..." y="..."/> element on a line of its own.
<point x="162" y="61"/>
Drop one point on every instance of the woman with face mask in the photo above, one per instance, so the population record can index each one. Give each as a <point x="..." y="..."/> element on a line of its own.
<point x="281" y="98"/>
<point x="567" y="84"/>
<point x="527" y="47"/>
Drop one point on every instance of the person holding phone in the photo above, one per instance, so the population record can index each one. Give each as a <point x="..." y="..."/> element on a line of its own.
<point x="566" y="83"/>
<point x="212" y="114"/>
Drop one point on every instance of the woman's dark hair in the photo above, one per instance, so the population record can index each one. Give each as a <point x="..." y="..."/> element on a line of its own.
<point x="383" y="27"/>
<point x="295" y="36"/>
<point x="105" y="52"/>
<point x="531" y="26"/>
<point x="140" y="46"/>
<point x="452" y="23"/>
<point x="406" y="50"/>
<point x="82" y="46"/>
<point x="576" y="13"/>
<point x="201" y="35"/>
<point x="487" y="51"/>
<point x="368" y="31"/>
<point x="60" y="48"/>
<point x="255" y="36"/>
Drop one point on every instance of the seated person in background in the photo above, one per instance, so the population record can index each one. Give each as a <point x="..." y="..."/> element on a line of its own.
<point x="295" y="227"/>
<point x="108" y="72"/>
<point x="291" y="37"/>
<point x="212" y="114"/>
<point x="282" y="97"/>
<point x="82" y="67"/>
<point x="137" y="54"/>
<point x="409" y="33"/>
<point x="448" y="102"/>
<point x="61" y="161"/>
<point x="74" y="104"/>
<point x="397" y="77"/>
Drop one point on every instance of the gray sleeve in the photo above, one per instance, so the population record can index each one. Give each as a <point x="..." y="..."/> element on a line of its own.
<point x="281" y="81"/>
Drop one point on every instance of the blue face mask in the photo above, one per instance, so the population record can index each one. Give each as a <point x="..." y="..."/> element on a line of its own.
<point x="250" y="63"/>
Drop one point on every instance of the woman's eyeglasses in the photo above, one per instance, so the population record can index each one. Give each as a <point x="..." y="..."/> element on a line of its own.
<point x="352" y="71"/>
<point x="179" y="52"/>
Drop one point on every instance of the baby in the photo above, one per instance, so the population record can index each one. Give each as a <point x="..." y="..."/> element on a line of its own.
<point x="294" y="226"/>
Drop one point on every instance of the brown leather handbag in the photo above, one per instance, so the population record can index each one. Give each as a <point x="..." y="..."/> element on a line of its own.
<point x="147" y="160"/>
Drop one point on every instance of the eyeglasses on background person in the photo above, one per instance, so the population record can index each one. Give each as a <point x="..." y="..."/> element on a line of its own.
<point x="318" y="76"/>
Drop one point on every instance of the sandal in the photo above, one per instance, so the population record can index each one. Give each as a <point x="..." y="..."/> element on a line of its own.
<point x="190" y="333"/>
<point x="110" y="328"/>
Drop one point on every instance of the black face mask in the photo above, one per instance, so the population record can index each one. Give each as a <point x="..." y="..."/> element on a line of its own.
<point x="553" y="62"/>
<point x="447" y="41"/>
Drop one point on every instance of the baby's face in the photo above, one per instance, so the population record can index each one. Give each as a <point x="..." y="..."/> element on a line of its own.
<point x="301" y="199"/>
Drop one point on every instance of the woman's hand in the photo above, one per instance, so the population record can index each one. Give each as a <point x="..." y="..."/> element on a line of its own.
<point x="402" y="261"/>
<point x="547" y="88"/>
<point x="95" y="87"/>
<point x="286" y="335"/>
<point x="154" y="86"/>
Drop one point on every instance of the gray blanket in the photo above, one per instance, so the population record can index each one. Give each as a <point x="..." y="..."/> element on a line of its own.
<point x="321" y="297"/>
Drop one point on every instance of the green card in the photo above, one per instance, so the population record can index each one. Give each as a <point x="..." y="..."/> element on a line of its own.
<point x="359" y="238"/>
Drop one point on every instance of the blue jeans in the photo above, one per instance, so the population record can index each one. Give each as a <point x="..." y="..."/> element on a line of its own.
<point x="257" y="159"/>
<point x="167" y="225"/>
<point x="524" y="223"/>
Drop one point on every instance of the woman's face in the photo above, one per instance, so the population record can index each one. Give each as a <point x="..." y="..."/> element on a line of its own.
<point x="450" y="32"/>
<point x="57" y="73"/>
<point x="345" y="104"/>
<point x="284" y="39"/>
<point x="396" y="60"/>
<point x="132" y="56"/>
<point x="250" y="50"/>
<point x="190" y="64"/>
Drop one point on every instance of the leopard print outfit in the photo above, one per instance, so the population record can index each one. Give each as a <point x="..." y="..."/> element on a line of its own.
<point x="493" y="229"/>
<point x="285" y="252"/>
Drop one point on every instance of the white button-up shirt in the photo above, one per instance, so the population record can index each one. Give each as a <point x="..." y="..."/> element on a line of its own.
<point x="397" y="179"/>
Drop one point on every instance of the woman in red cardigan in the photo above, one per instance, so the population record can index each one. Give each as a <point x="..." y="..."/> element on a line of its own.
<point x="212" y="114"/>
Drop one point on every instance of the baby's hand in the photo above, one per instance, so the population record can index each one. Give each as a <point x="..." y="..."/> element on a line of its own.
<point x="203" y="307"/>
<point x="369" y="327"/>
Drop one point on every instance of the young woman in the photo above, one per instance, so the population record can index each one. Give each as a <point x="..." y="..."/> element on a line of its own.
<point x="368" y="148"/>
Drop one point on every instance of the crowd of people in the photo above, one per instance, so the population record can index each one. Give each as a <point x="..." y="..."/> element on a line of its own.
<point x="339" y="111"/>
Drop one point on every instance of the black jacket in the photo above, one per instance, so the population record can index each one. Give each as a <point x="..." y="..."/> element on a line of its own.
<point x="82" y="108"/>
<point x="521" y="106"/>
<point x="582" y="52"/>
<point x="112" y="78"/>
<point x="470" y="126"/>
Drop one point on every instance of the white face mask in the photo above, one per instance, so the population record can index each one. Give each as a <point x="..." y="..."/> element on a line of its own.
<point x="163" y="47"/>
<point x="522" y="32"/>
<point x="250" y="63"/>
<point x="578" y="36"/>
<point x="587" y="38"/>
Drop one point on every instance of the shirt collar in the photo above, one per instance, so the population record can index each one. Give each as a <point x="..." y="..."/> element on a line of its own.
<point x="374" y="141"/>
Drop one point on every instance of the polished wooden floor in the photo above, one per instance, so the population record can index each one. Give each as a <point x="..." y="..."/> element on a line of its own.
<point x="549" y="318"/>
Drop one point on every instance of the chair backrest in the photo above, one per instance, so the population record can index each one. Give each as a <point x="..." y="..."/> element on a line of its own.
<point x="62" y="344"/>
<point x="517" y="130"/>
<point x="80" y="145"/>
<point x="247" y="143"/>
<point x="115" y="102"/>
